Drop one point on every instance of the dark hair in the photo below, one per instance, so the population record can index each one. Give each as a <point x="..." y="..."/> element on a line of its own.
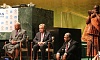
<point x="96" y="7"/>
<point x="69" y="34"/>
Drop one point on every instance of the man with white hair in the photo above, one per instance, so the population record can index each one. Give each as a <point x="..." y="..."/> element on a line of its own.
<point x="41" y="41"/>
<point x="18" y="35"/>
<point x="69" y="49"/>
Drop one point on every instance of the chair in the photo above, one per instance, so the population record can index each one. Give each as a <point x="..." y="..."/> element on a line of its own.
<point x="25" y="48"/>
<point x="49" y="49"/>
<point x="22" y="48"/>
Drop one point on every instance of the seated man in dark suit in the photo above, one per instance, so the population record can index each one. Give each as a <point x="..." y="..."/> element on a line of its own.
<point x="41" y="41"/>
<point x="18" y="35"/>
<point x="69" y="49"/>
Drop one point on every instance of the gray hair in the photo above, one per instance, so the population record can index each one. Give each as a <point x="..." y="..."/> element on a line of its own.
<point x="17" y="23"/>
<point x="43" y="25"/>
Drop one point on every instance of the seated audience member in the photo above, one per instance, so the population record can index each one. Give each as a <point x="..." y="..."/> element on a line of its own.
<point x="18" y="35"/>
<point x="69" y="49"/>
<point x="41" y="41"/>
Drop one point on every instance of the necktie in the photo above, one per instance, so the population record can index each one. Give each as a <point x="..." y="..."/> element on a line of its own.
<point x="16" y="33"/>
<point x="66" y="47"/>
<point x="42" y="36"/>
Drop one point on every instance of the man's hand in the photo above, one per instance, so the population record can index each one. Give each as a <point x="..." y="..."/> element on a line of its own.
<point x="13" y="42"/>
<point x="90" y="12"/>
<point x="40" y="43"/>
<point x="57" y="56"/>
<point x="64" y="56"/>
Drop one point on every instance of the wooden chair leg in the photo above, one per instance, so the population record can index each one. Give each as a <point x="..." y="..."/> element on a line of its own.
<point x="20" y="52"/>
<point x="31" y="51"/>
<point x="5" y="51"/>
<point x="27" y="48"/>
<point x="48" y="55"/>
<point x="48" y="51"/>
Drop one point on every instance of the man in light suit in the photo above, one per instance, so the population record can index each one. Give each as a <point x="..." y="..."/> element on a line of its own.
<point x="18" y="35"/>
<point x="41" y="40"/>
<point x="69" y="49"/>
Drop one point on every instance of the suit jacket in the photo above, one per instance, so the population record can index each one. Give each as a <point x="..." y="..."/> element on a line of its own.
<point x="72" y="52"/>
<point x="20" y="37"/>
<point x="47" y="37"/>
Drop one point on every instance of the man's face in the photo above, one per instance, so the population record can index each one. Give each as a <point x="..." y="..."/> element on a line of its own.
<point x="66" y="38"/>
<point x="17" y="26"/>
<point x="41" y="29"/>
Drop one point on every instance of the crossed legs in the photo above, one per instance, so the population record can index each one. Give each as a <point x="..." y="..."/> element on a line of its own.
<point x="12" y="55"/>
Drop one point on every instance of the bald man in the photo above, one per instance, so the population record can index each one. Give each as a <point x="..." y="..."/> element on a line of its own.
<point x="18" y="35"/>
<point x="69" y="49"/>
<point x="41" y="41"/>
